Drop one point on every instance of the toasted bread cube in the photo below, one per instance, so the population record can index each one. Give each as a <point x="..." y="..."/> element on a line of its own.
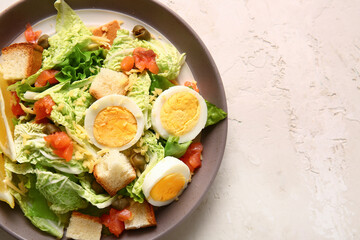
<point x="108" y="30"/>
<point x="21" y="60"/>
<point x="84" y="227"/>
<point x="143" y="215"/>
<point x="114" y="171"/>
<point x="109" y="82"/>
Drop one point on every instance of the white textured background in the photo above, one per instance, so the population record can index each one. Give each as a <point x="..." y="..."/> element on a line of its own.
<point x="291" y="72"/>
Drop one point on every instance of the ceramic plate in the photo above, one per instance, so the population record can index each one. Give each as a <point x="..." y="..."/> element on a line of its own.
<point x="199" y="65"/>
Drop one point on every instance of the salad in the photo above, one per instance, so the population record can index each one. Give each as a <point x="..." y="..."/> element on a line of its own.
<point x="96" y="131"/>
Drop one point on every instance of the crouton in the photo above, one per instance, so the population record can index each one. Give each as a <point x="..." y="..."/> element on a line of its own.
<point x="143" y="215"/>
<point x="84" y="227"/>
<point x="114" y="171"/>
<point x="109" y="82"/>
<point x="21" y="60"/>
<point x="108" y="30"/>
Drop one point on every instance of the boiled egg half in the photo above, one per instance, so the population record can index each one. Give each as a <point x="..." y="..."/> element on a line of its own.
<point x="114" y="122"/>
<point x="179" y="111"/>
<point x="166" y="181"/>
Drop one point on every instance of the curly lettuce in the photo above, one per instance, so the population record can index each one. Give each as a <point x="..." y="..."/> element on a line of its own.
<point x="80" y="65"/>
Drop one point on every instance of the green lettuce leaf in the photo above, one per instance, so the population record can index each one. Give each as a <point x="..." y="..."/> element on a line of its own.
<point x="123" y="46"/>
<point x="28" y="81"/>
<point x="55" y="88"/>
<point x="80" y="65"/>
<point x="155" y="154"/>
<point x="66" y="195"/>
<point x="94" y="211"/>
<point x="71" y="107"/>
<point x="98" y="200"/>
<point x="35" y="207"/>
<point x="168" y="59"/>
<point x="71" y="100"/>
<point x="19" y="168"/>
<point x="174" y="148"/>
<point x="139" y="92"/>
<point x="60" y="191"/>
<point x="15" y="121"/>
<point x="214" y="114"/>
<point x="160" y="82"/>
<point x="127" y="191"/>
<point x="23" y="88"/>
<point x="31" y="147"/>
<point x="70" y="31"/>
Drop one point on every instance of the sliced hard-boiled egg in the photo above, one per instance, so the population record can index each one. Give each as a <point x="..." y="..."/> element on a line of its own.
<point x="114" y="122"/>
<point x="179" y="111"/>
<point x="166" y="181"/>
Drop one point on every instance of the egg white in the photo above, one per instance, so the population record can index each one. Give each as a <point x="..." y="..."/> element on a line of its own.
<point x="165" y="167"/>
<point x="110" y="101"/>
<point x="158" y="104"/>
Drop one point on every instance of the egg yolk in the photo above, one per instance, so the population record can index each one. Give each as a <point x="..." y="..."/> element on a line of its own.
<point x="115" y="126"/>
<point x="180" y="113"/>
<point x="168" y="187"/>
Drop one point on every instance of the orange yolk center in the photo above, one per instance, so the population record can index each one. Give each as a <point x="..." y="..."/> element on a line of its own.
<point x="115" y="126"/>
<point x="168" y="187"/>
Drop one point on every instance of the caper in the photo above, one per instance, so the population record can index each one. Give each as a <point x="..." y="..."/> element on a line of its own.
<point x="138" y="161"/>
<point x="97" y="187"/>
<point x="50" y="128"/>
<point x="141" y="33"/>
<point x="43" y="41"/>
<point x="120" y="203"/>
